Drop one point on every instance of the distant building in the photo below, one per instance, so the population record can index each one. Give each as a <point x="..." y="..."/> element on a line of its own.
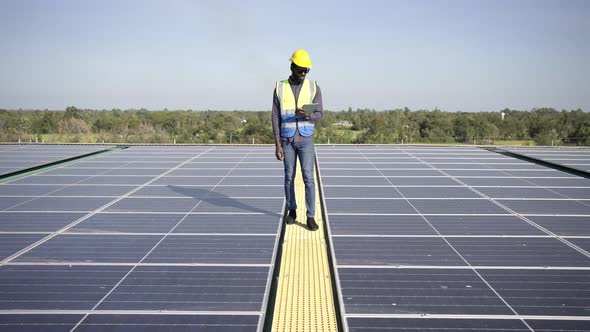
<point x="343" y="124"/>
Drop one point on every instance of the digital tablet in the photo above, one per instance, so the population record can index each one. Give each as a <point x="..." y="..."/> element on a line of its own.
<point x="310" y="108"/>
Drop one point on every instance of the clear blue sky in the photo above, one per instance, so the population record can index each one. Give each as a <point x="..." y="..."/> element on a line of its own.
<point x="455" y="55"/>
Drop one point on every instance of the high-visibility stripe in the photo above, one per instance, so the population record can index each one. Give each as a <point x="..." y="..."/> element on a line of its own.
<point x="280" y="93"/>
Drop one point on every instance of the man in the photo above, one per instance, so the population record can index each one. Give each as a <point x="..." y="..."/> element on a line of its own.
<point x="293" y="129"/>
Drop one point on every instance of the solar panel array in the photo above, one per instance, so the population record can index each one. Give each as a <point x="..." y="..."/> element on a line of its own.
<point x="15" y="158"/>
<point x="577" y="158"/>
<point x="185" y="238"/>
<point x="144" y="239"/>
<point x="445" y="238"/>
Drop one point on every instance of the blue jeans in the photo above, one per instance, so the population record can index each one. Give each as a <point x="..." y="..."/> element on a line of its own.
<point x="306" y="152"/>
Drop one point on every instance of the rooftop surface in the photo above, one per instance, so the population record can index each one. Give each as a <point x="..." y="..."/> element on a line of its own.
<point x="186" y="238"/>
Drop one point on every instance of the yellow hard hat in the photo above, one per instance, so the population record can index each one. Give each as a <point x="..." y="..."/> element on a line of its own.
<point x="301" y="58"/>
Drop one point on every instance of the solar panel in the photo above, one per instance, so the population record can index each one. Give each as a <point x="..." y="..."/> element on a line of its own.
<point x="481" y="225"/>
<point x="564" y="225"/>
<point x="576" y="158"/>
<point x="139" y="239"/>
<point x="32" y="322"/>
<point x="383" y="251"/>
<point x="343" y="224"/>
<point x="36" y="221"/>
<point x="583" y="243"/>
<point x="357" y="324"/>
<point x="56" y="287"/>
<point x="490" y="243"/>
<point x="166" y="322"/>
<point x="48" y="203"/>
<point x="435" y="291"/>
<point x="436" y="192"/>
<point x="14" y="158"/>
<point x="11" y="243"/>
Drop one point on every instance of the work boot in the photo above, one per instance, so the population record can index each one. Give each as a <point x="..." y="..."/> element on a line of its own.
<point x="311" y="225"/>
<point x="290" y="218"/>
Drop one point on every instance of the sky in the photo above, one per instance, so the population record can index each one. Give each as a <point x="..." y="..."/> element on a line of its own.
<point x="471" y="55"/>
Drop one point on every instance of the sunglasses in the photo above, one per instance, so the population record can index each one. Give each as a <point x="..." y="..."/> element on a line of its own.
<point x="299" y="70"/>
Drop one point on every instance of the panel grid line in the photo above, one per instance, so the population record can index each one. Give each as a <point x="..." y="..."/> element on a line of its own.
<point x="132" y="264"/>
<point x="436" y="316"/>
<point x="125" y="312"/>
<point x="458" y="267"/>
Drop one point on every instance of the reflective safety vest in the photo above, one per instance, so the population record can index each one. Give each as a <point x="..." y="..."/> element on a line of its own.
<point x="288" y="106"/>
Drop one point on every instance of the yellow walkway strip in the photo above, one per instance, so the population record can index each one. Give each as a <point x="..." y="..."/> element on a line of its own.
<point x="304" y="300"/>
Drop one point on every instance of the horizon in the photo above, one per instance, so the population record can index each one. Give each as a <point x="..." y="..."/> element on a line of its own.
<point x="456" y="56"/>
<point x="268" y="110"/>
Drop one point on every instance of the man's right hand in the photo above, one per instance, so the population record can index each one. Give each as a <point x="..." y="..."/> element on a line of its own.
<point x="300" y="112"/>
<point x="279" y="152"/>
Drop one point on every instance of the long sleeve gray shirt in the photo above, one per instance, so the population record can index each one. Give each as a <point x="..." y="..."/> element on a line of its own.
<point x="276" y="111"/>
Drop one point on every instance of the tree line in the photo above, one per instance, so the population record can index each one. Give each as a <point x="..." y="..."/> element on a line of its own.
<point x="542" y="126"/>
